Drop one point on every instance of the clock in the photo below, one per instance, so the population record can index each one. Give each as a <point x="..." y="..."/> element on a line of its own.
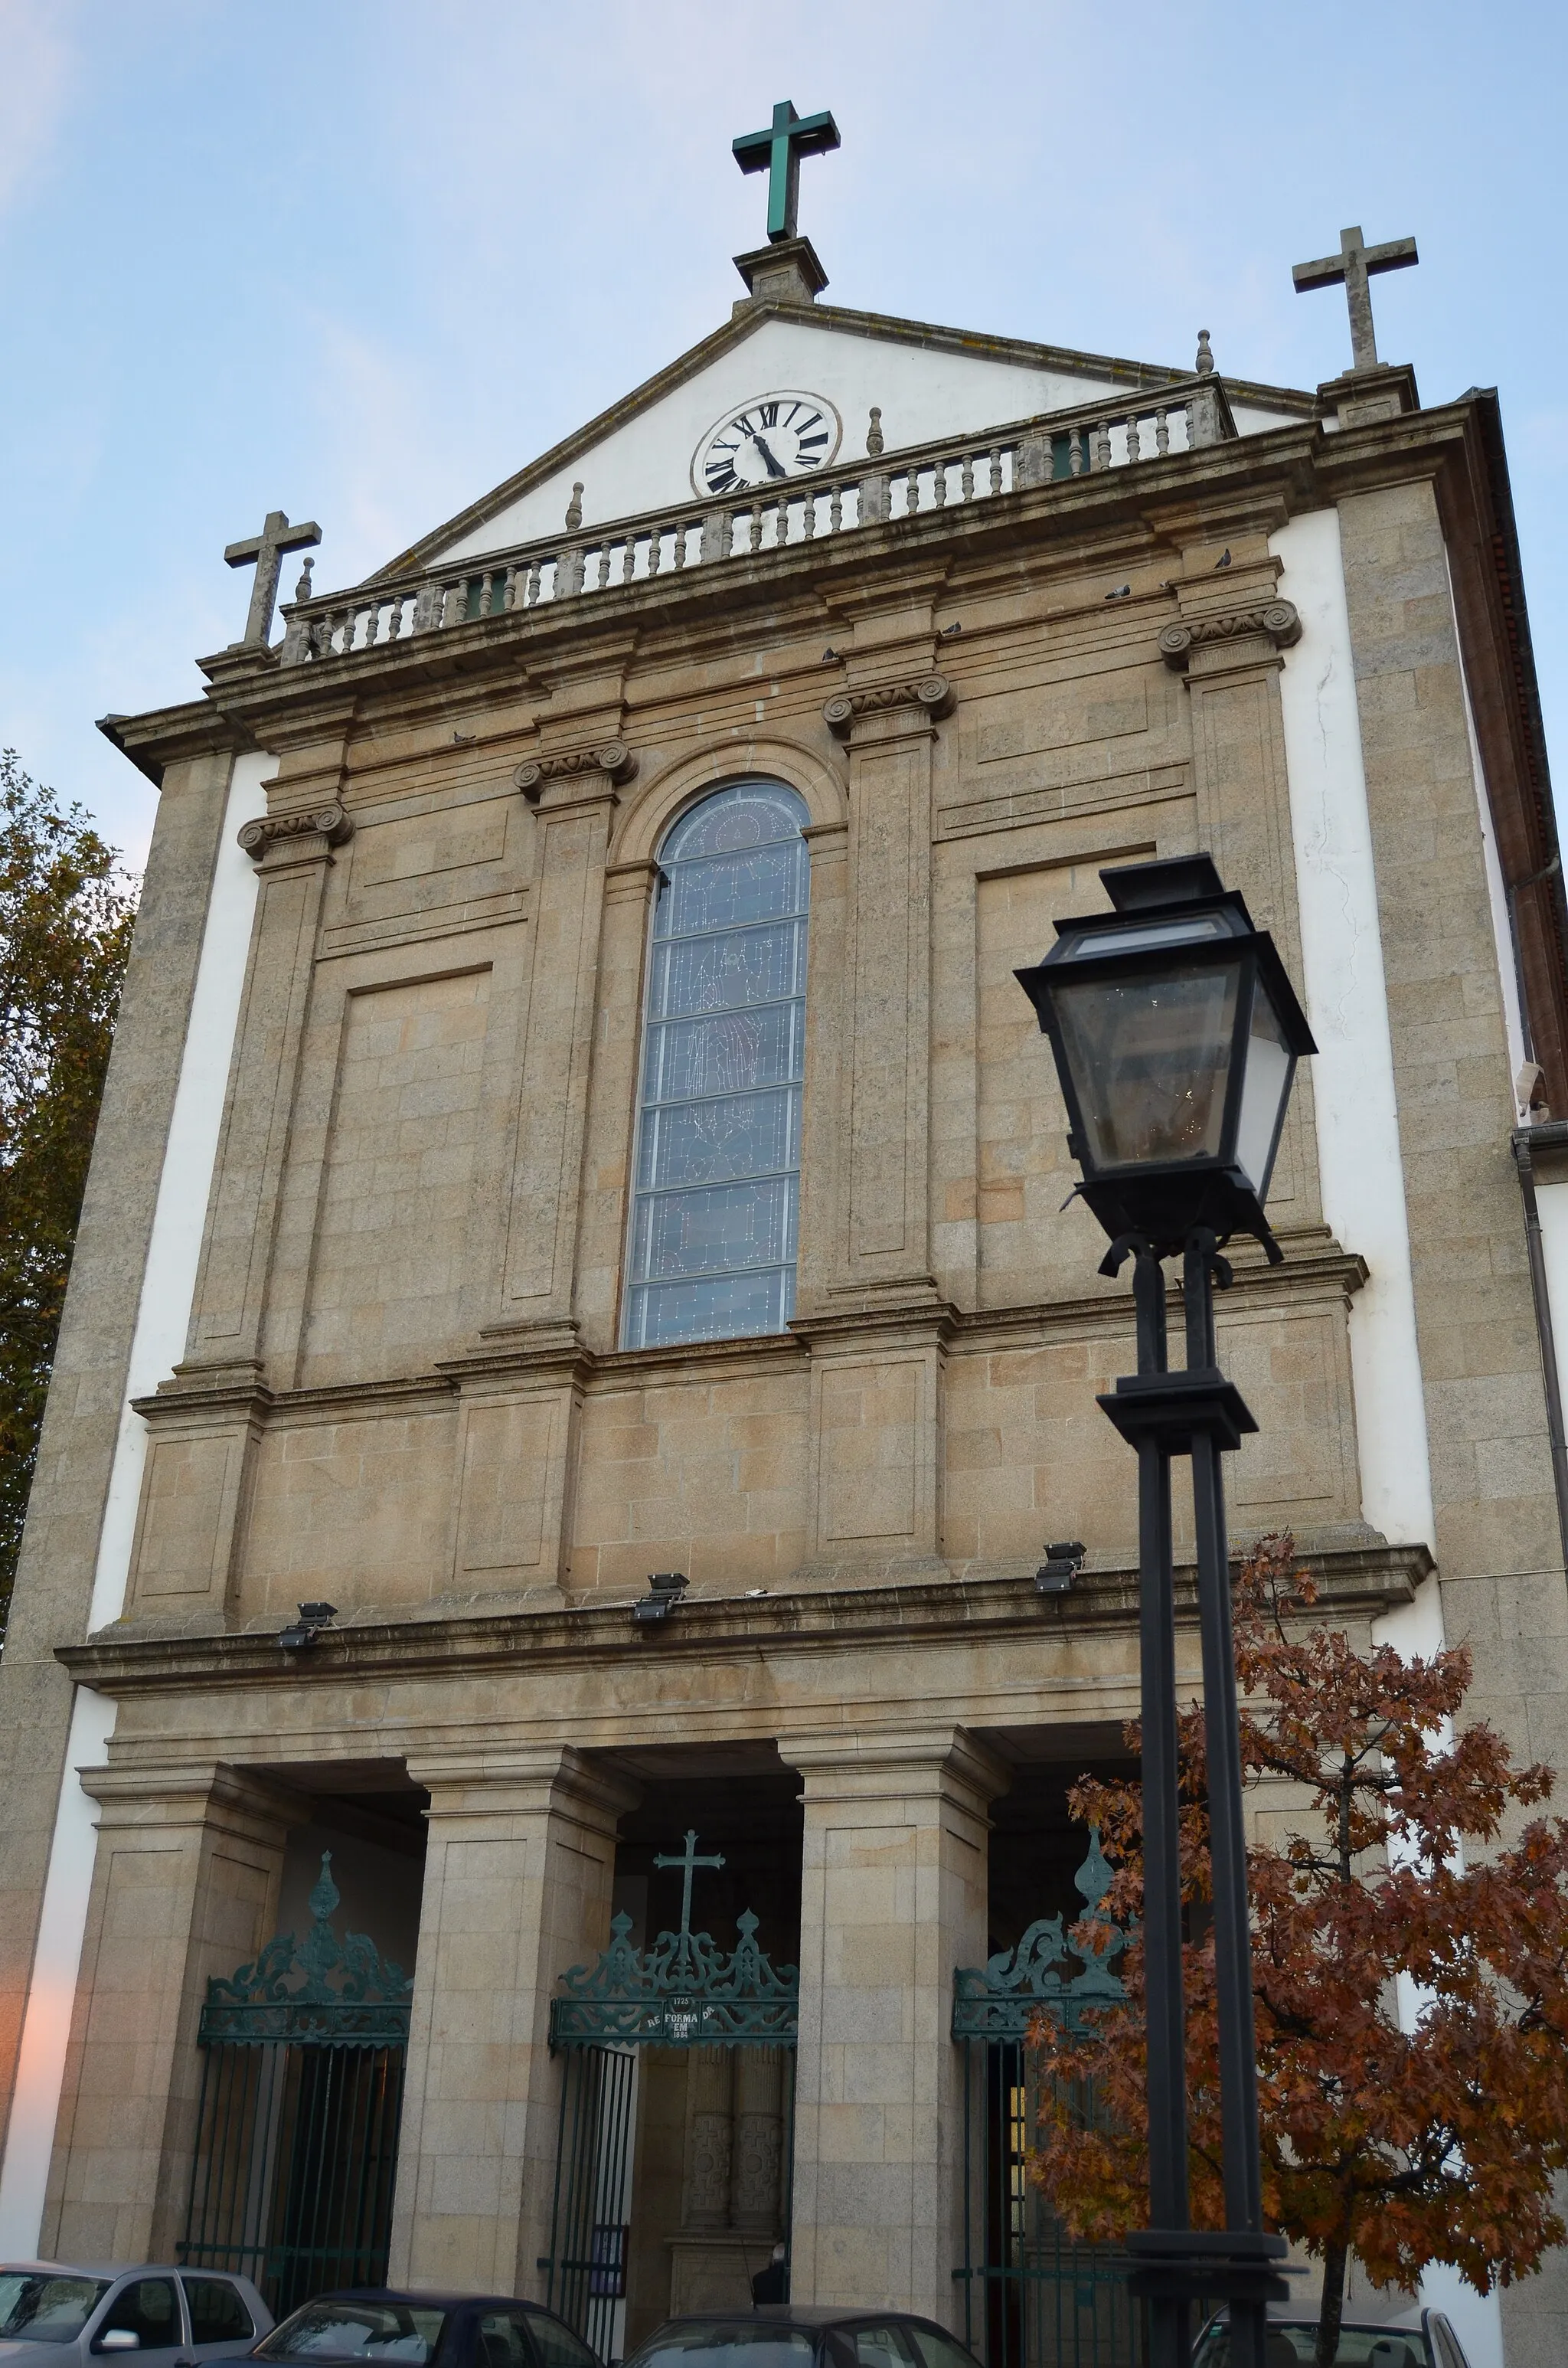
<point x="767" y="442"/>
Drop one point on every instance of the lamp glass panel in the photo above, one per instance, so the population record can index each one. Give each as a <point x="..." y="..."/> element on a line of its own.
<point x="1149" y="1057"/>
<point x="1263" y="1087"/>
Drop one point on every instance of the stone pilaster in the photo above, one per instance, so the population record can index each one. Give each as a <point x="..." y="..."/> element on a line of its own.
<point x="517" y="1878"/>
<point x="185" y="1886"/>
<point x="294" y="854"/>
<point x="1228" y="643"/>
<point x="92" y="1354"/>
<point x="1498" y="1544"/>
<point x="574" y="812"/>
<point x="888" y="718"/>
<point x="892" y="1899"/>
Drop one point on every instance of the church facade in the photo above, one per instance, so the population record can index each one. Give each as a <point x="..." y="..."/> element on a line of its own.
<point x="576" y="1340"/>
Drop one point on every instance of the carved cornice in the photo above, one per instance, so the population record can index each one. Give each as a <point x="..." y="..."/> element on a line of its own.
<point x="330" y="823"/>
<point x="933" y="692"/>
<point x="615" y="761"/>
<point x="963" y="1609"/>
<point x="1272" y="621"/>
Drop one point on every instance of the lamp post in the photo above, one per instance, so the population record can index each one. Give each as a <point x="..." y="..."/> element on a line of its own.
<point x="1176" y="1033"/>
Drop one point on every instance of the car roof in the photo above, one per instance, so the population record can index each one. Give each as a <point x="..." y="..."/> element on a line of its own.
<point x="795" y="2313"/>
<point x="94" y="2268"/>
<point x="426" y="2298"/>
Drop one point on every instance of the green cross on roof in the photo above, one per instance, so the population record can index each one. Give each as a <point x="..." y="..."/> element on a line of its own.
<point x="777" y="152"/>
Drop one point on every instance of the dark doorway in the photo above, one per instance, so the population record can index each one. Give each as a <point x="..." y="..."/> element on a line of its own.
<point x="302" y="2056"/>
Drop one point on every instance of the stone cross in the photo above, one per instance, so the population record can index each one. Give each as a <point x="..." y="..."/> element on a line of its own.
<point x="777" y="152"/>
<point x="265" y="551"/>
<point x="688" y="1861"/>
<point x="1355" y="264"/>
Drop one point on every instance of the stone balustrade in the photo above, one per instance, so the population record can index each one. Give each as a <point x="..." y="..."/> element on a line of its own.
<point x="1079" y="443"/>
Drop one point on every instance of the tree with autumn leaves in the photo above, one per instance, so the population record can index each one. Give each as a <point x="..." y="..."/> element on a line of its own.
<point x="1410" y="1973"/>
<point x="66" y="912"/>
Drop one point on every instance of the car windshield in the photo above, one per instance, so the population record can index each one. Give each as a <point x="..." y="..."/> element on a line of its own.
<point x="44" y="2309"/>
<point x="737" y="2343"/>
<point x="1294" y="2345"/>
<point x="357" y="2330"/>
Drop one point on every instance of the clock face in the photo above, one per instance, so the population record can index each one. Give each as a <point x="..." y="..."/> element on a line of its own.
<point x="766" y="443"/>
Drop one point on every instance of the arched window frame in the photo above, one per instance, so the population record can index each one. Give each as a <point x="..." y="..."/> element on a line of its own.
<point x="714" y="1206"/>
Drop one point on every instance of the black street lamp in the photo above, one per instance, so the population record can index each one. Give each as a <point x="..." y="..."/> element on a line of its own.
<point x="1176" y="1033"/>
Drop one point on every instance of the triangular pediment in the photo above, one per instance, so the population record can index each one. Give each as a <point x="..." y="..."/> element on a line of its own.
<point x="647" y="451"/>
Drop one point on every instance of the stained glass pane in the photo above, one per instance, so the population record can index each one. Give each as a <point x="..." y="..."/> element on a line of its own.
<point x="713" y="1229"/>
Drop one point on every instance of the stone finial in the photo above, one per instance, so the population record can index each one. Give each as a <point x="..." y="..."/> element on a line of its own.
<point x="874" y="433"/>
<point x="575" y="506"/>
<point x="302" y="588"/>
<point x="1204" y="365"/>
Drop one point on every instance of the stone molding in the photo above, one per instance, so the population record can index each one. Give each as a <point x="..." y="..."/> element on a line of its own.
<point x="1274" y="620"/>
<point x="331" y="823"/>
<point x="933" y="692"/>
<point x="614" y="760"/>
<point x="962" y="1608"/>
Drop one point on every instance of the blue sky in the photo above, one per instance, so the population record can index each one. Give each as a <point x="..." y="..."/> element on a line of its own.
<point x="360" y="259"/>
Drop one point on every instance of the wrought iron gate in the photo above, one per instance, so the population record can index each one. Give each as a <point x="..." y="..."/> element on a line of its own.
<point x="302" y="2057"/>
<point x="1032" y="2296"/>
<point x="684" y="1992"/>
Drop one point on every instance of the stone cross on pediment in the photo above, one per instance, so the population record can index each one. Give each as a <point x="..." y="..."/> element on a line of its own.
<point x="1355" y="265"/>
<point x="264" y="551"/>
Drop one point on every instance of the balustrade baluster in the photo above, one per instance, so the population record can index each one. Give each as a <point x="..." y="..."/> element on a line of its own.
<point x="1074" y="451"/>
<point x="836" y="510"/>
<point x="1161" y="430"/>
<point x="1132" y="441"/>
<point x="940" y="484"/>
<point x="486" y="591"/>
<point x="966" y="478"/>
<point x="1099" y="446"/>
<point x="754" y="527"/>
<point x="656" y="549"/>
<point x="912" y="500"/>
<point x="677" y="555"/>
<point x="394" y="616"/>
<point x="809" y="516"/>
<point x="995" y="461"/>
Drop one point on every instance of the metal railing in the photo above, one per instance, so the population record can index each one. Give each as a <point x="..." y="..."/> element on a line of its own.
<point x="950" y="474"/>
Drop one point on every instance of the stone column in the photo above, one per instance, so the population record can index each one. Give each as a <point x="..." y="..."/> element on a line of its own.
<point x="517" y="1879"/>
<point x="185" y="1886"/>
<point x="892" y="1899"/>
<point x="709" y="2136"/>
<point x="757" y="2160"/>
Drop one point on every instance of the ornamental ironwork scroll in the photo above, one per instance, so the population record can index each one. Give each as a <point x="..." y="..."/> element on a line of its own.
<point x="1046" y="1973"/>
<point x="322" y="1991"/>
<point x="685" y="1991"/>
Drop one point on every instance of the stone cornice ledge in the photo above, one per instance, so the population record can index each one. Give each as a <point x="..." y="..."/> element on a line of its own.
<point x="1353" y="1580"/>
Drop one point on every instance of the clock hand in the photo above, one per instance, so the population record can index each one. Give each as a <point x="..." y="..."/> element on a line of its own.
<point x="774" y="469"/>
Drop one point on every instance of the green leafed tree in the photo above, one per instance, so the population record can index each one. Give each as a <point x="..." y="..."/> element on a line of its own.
<point x="66" y="912"/>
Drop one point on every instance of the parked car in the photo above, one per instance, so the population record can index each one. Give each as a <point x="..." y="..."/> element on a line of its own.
<point x="801" y="2335"/>
<point x="52" y="2313"/>
<point x="1413" y="2338"/>
<point x="427" y="2330"/>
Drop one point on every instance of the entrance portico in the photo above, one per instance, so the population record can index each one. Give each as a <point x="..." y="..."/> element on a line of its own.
<point x="220" y="1752"/>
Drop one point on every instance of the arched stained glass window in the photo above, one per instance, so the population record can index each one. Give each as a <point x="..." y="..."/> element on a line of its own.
<point x="716" y="1201"/>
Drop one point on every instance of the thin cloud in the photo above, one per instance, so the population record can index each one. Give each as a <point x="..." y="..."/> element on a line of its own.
<point x="40" y="62"/>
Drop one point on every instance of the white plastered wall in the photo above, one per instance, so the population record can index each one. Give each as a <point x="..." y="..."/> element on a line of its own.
<point x="1358" y="1130"/>
<point x="924" y="391"/>
<point x="163" y="1317"/>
